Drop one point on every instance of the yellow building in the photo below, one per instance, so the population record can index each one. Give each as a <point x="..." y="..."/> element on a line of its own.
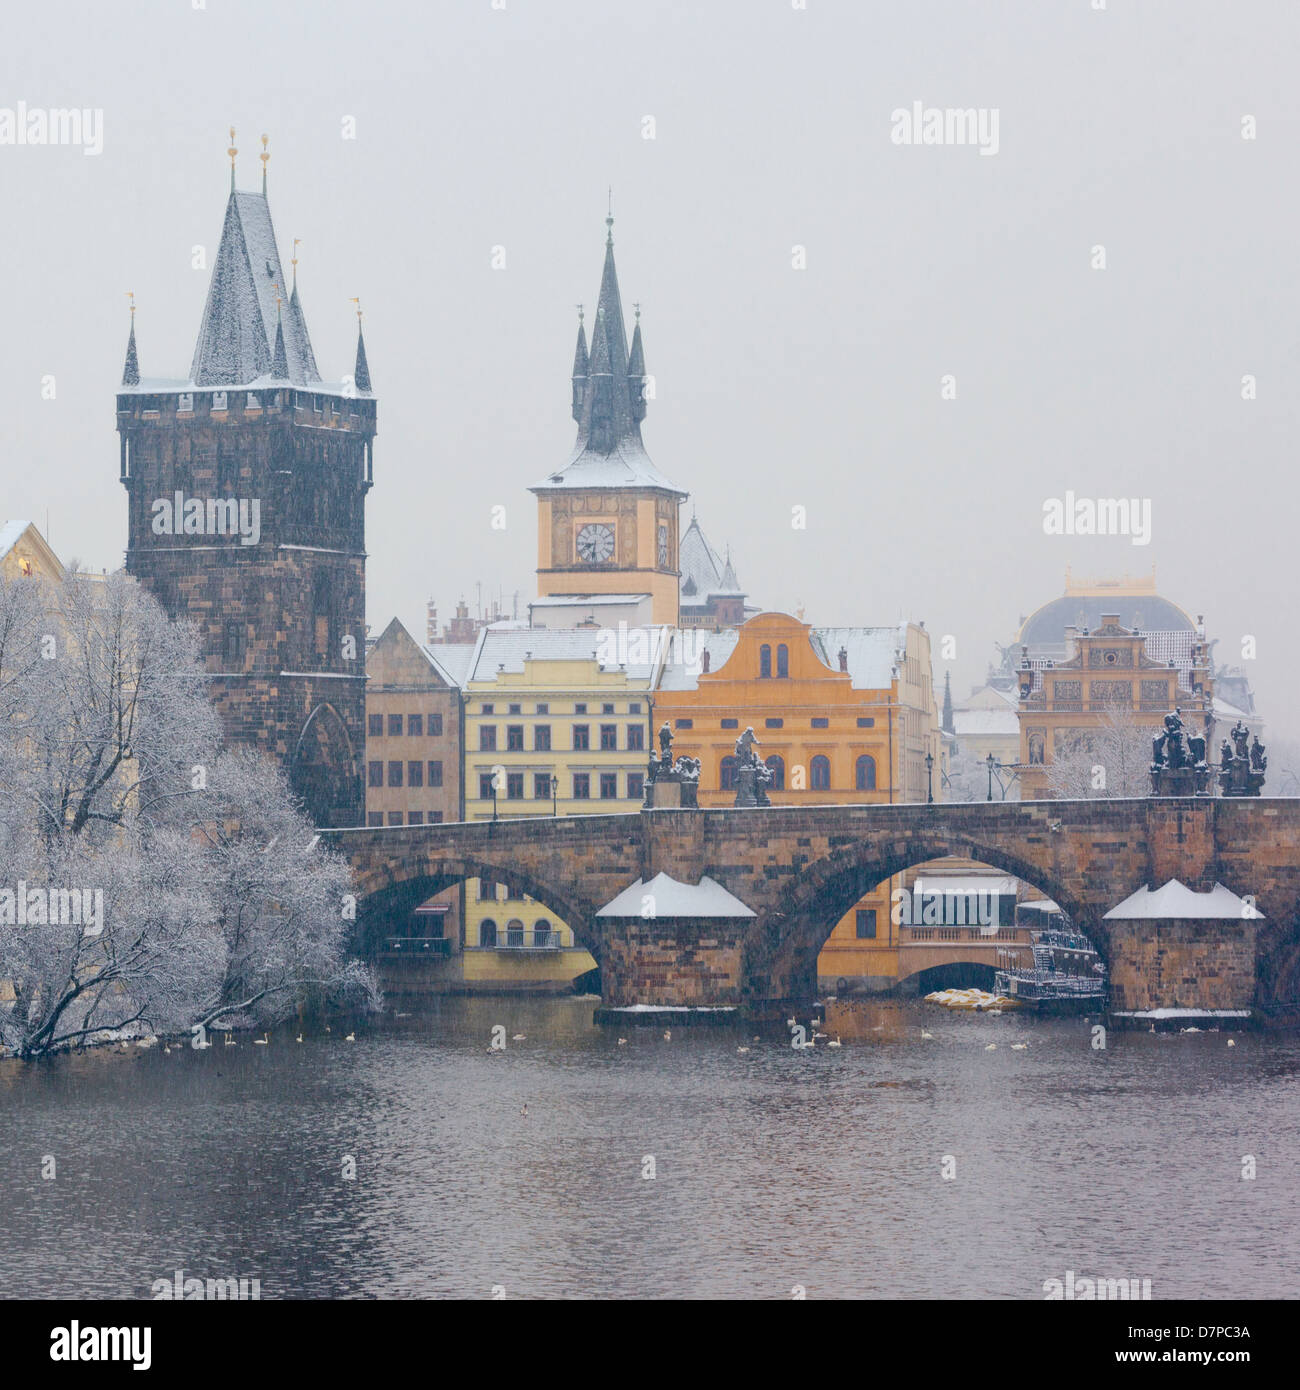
<point x="842" y="715"/>
<point x="555" y="724"/>
<point x="607" y="521"/>
<point x="24" y="553"/>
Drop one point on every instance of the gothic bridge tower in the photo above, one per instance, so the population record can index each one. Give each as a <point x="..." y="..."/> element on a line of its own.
<point x="246" y="487"/>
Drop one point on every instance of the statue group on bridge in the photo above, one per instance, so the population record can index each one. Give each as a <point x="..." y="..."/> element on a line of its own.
<point x="753" y="776"/>
<point x="1242" y="763"/>
<point x="682" y="775"/>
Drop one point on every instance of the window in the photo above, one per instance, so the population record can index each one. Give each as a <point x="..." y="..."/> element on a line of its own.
<point x="683" y="723"/>
<point x="394" y="725"/>
<point x="607" y="709"/>
<point x="543" y="709"/>
<point x="514" y="738"/>
<point x="865" y="776"/>
<point x="866" y="723"/>
<point x="415" y="818"/>
<point x="435" y="772"/>
<point x="821" y="722"/>
<point x="514" y="786"/>
<point x="515" y="709"/>
<point x="634" y="708"/>
<point x="608" y="786"/>
<point x="542" y="932"/>
<point x="774" y="723"/>
<point x="514" y="933"/>
<point x="435" y="817"/>
<point x="485" y="786"/>
<point x="395" y="774"/>
<point x="415" y="774"/>
<point x="731" y="723"/>
<point x="234" y="644"/>
<point x="542" y="738"/>
<point x="375" y="726"/>
<point x="608" y="738"/>
<point x="435" y="726"/>
<point x="541" y="786"/>
<point x="415" y="725"/>
<point x="487" y="738"/>
<point x="783" y="662"/>
<point x="376" y="778"/>
<point x="727" y="774"/>
<point x="636" y="785"/>
<point x="819" y="773"/>
<point x="394" y="818"/>
<point x="764" y="661"/>
<point x="866" y="924"/>
<point x="776" y="764"/>
<point x="581" y="736"/>
<point x="635" y="738"/>
<point x="580" y="709"/>
<point x="582" y="786"/>
<point x="487" y="932"/>
<point x="488" y="709"/>
<point x="374" y="819"/>
<point x="487" y="892"/>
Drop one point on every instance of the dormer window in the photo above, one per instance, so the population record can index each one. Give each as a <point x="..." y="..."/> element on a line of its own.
<point x="185" y="403"/>
<point x="218" y="400"/>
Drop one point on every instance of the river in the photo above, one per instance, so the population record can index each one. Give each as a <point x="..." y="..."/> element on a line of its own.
<point x="773" y="1168"/>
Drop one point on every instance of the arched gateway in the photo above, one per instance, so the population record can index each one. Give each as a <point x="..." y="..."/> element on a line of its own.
<point x="799" y="868"/>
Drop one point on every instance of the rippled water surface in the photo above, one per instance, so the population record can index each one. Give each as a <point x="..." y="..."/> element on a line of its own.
<point x="772" y="1167"/>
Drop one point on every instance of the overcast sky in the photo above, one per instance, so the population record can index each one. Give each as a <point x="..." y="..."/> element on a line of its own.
<point x="777" y="387"/>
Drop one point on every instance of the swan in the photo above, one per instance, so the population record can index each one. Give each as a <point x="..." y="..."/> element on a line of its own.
<point x="1019" y="1047"/>
<point x="924" y="1034"/>
<point x="518" y="1037"/>
<point x="835" y="1041"/>
<point x="622" y="1042"/>
<point x="742" y="1049"/>
<point x="1232" y="1042"/>
<point x="263" y="1041"/>
<point x="351" y="1037"/>
<point x="298" y="1038"/>
<point x="991" y="1047"/>
<point x="668" y="1035"/>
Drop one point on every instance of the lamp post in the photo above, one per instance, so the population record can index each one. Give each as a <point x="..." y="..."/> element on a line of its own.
<point x="990" y="763"/>
<point x="929" y="779"/>
<point x="555" y="805"/>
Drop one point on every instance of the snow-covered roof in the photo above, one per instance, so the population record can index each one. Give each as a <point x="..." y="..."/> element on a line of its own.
<point x="682" y="674"/>
<point x="10" y="534"/>
<point x="1223" y="710"/>
<point x="703" y="571"/>
<point x="626" y="465"/>
<point x="451" y="660"/>
<point x="510" y="647"/>
<point x="985" y="721"/>
<point x="1175" y="902"/>
<point x="585" y="600"/>
<point x="963" y="885"/>
<point x="672" y="898"/>
<point x="247" y="302"/>
<point x="872" y="652"/>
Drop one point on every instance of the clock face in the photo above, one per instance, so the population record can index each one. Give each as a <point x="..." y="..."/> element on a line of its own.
<point x="596" y="544"/>
<point x="663" y="547"/>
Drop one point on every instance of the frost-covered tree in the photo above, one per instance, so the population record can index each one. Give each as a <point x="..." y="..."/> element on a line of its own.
<point x="1112" y="759"/>
<point x="146" y="882"/>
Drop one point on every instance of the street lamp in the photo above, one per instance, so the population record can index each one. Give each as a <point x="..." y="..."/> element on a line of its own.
<point x="929" y="778"/>
<point x="555" y="809"/>
<point x="991" y="763"/>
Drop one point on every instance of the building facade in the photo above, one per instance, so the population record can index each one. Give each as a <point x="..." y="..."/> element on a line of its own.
<point x="1106" y="682"/>
<point x="246" y="485"/>
<point x="842" y="715"/>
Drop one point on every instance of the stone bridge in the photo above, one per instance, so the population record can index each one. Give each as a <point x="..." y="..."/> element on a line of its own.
<point x="801" y="868"/>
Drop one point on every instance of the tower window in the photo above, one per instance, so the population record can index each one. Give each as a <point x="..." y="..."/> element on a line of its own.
<point x="764" y="662"/>
<point x="819" y="773"/>
<point x="782" y="662"/>
<point x="234" y="646"/>
<point x="866" y="774"/>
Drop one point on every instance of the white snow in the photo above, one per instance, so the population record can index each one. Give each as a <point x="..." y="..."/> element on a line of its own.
<point x="1182" y="1013"/>
<point x="1177" y="902"/>
<point x="707" y="898"/>
<point x="672" y="1009"/>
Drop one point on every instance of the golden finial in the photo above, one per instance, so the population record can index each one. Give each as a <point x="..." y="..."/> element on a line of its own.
<point x="580" y="313"/>
<point x="355" y="299"/>
<point x="264" y="156"/>
<point x="130" y="294"/>
<point x="293" y="260"/>
<point x="276" y="288"/>
<point x="232" y="152"/>
<point x="636" y="308"/>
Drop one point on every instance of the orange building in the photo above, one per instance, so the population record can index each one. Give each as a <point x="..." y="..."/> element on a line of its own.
<point x="842" y="715"/>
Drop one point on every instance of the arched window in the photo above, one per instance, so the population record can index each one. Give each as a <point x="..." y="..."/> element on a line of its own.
<point x="819" y="773"/>
<point x="865" y="779"/>
<point x="764" y="661"/>
<point x="487" y="932"/>
<point x="777" y="766"/>
<point x="542" y="932"/>
<point x="782" y="662"/>
<point x="727" y="774"/>
<point x="514" y="933"/>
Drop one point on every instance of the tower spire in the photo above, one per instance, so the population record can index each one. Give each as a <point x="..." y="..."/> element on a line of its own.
<point x="361" y="375"/>
<point x="948" y="726"/>
<point x="264" y="157"/>
<point x="232" y="152"/>
<point x="279" y="359"/>
<point x="131" y="369"/>
<point x="580" y="364"/>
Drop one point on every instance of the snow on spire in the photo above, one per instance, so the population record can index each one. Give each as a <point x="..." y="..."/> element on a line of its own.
<point x="131" y="369"/>
<point x="361" y="376"/>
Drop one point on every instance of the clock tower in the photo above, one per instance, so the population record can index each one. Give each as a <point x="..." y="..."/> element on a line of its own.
<point x="607" y="521"/>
